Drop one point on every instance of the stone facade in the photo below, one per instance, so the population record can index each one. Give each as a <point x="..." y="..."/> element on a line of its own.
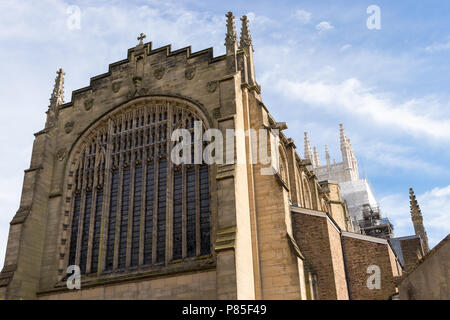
<point x="275" y="236"/>
<point x="428" y="279"/>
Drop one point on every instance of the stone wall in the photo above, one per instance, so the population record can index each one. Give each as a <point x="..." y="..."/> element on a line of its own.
<point x="430" y="279"/>
<point x="412" y="252"/>
<point x="196" y="286"/>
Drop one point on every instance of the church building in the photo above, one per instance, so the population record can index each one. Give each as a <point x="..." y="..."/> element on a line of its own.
<point x="102" y="197"/>
<point x="364" y="213"/>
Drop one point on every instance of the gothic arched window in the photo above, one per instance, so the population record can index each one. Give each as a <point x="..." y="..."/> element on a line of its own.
<point x="128" y="205"/>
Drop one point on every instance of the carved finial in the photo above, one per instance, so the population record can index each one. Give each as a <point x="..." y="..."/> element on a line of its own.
<point x="327" y="155"/>
<point x="308" y="150"/>
<point x="230" y="36"/>
<point x="141" y="38"/>
<point x="417" y="219"/>
<point x="342" y="134"/>
<point x="246" y="39"/>
<point x="57" y="97"/>
<point x="316" y="157"/>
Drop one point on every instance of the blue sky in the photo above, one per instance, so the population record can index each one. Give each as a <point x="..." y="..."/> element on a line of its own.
<point x="317" y="62"/>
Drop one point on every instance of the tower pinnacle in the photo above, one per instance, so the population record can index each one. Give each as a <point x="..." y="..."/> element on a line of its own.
<point x="246" y="39"/>
<point x="308" y="150"/>
<point x="316" y="157"/>
<point x="343" y="137"/>
<point x="230" y="36"/>
<point x="417" y="219"/>
<point x="348" y="157"/>
<point x="56" y="99"/>
<point x="327" y="155"/>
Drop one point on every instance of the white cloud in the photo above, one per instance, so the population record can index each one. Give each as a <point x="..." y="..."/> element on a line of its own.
<point x="435" y="47"/>
<point x="324" y="26"/>
<point x="345" y="47"/>
<point x="395" y="156"/>
<point x="352" y="97"/>
<point x="303" y="16"/>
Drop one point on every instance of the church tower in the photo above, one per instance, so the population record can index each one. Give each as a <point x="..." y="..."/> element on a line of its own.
<point x="417" y="220"/>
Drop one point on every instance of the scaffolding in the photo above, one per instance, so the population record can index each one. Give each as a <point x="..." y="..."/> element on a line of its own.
<point x="372" y="224"/>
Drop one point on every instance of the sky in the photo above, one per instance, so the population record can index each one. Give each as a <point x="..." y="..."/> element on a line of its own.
<point x="317" y="62"/>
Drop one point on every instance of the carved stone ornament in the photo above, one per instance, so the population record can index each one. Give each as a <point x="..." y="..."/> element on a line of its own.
<point x="88" y="104"/>
<point x="142" y="91"/>
<point x="116" y="86"/>
<point x="159" y="73"/>
<point x="68" y="127"/>
<point x="216" y="113"/>
<point x="212" y="85"/>
<point x="138" y="89"/>
<point x="189" y="73"/>
<point x="61" y="154"/>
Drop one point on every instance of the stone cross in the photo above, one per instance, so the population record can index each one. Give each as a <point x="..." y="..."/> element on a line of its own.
<point x="141" y="38"/>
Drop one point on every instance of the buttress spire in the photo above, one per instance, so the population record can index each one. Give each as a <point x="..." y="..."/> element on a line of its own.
<point x="246" y="39"/>
<point x="230" y="36"/>
<point x="327" y="155"/>
<point x="417" y="219"/>
<point x="343" y="137"/>
<point x="308" y="150"/>
<point x="57" y="97"/>
<point x="316" y="157"/>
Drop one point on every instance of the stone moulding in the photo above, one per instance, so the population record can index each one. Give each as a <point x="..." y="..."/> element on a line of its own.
<point x="226" y="239"/>
<point x="256" y="88"/>
<point x="21" y="215"/>
<point x="206" y="263"/>
<point x="33" y="169"/>
<point x="295" y="247"/>
<point x="55" y="195"/>
<point x="7" y="274"/>
<point x="187" y="51"/>
<point x="225" y="171"/>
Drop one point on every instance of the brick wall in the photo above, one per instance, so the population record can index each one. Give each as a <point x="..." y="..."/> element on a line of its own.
<point x="362" y="252"/>
<point x="319" y="242"/>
